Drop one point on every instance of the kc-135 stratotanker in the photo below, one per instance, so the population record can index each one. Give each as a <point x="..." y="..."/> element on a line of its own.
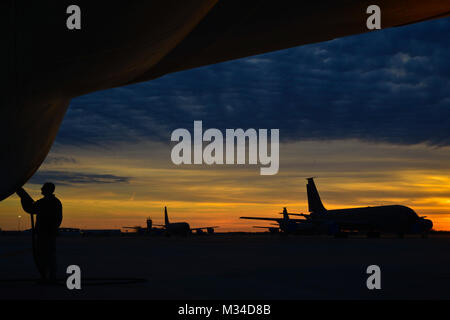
<point x="374" y="220"/>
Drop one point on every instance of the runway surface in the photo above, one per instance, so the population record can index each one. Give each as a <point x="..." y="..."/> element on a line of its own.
<point x="232" y="267"/>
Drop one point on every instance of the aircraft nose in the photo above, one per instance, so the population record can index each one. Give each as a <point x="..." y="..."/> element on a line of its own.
<point x="427" y="224"/>
<point x="423" y="225"/>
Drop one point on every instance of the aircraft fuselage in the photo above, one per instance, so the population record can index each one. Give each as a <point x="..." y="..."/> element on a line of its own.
<point x="178" y="228"/>
<point x="391" y="218"/>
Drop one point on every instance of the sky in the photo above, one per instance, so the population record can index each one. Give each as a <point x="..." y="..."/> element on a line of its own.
<point x="368" y="115"/>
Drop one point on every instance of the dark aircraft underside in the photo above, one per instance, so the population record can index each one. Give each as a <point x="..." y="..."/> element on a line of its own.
<point x="44" y="65"/>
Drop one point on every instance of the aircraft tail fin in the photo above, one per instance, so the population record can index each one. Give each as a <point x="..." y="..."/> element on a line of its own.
<point x="166" y="217"/>
<point x="285" y="214"/>
<point x="314" y="202"/>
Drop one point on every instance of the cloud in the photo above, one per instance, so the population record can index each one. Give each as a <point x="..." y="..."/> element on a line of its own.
<point x="389" y="86"/>
<point x="59" y="160"/>
<point x="76" y="178"/>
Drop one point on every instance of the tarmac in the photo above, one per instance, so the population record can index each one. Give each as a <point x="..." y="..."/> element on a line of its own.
<point x="230" y="266"/>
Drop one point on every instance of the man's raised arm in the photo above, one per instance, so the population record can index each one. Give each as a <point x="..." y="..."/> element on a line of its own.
<point x="26" y="201"/>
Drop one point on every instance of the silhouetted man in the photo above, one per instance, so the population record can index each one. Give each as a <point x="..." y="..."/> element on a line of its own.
<point x="48" y="211"/>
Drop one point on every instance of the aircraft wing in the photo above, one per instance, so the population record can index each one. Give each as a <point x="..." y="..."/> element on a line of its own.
<point x="234" y="29"/>
<point x="261" y="218"/>
<point x="300" y="220"/>
<point x="272" y="219"/>
<point x="297" y="214"/>
<point x="131" y="41"/>
<point x="204" y="228"/>
<point x="265" y="227"/>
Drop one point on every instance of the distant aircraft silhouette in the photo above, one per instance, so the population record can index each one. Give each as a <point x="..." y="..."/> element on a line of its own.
<point x="374" y="220"/>
<point x="286" y="224"/>
<point x="139" y="229"/>
<point x="270" y="229"/>
<point x="182" y="228"/>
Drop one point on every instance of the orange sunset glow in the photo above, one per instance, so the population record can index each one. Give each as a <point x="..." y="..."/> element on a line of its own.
<point x="349" y="173"/>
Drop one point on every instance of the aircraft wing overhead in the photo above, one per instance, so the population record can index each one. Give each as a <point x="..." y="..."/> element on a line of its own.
<point x="131" y="41"/>
<point x="234" y="29"/>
